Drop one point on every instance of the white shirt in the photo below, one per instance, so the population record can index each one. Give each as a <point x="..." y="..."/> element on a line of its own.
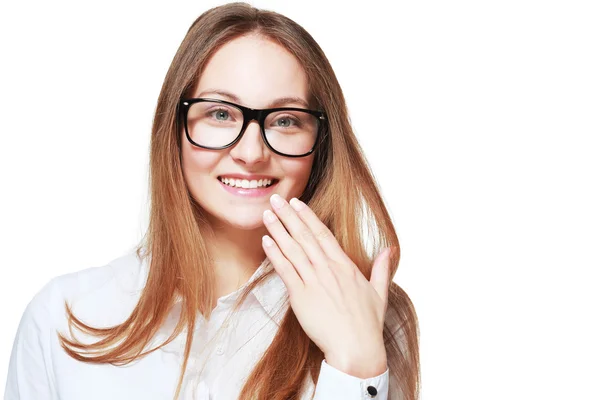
<point x="104" y="296"/>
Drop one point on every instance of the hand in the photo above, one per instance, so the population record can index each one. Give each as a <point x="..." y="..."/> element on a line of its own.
<point x="337" y="307"/>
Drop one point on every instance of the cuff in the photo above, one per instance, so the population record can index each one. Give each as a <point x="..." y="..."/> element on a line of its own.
<point x="334" y="384"/>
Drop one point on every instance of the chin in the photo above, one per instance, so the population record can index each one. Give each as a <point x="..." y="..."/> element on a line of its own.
<point x="243" y="222"/>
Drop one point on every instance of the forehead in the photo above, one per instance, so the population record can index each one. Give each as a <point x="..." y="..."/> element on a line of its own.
<point x="255" y="69"/>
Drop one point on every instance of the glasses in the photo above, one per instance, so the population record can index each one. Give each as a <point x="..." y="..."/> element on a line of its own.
<point x="219" y="124"/>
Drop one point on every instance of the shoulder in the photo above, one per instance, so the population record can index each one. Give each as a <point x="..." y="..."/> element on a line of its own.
<point x="103" y="295"/>
<point x="99" y="295"/>
<point x="126" y="273"/>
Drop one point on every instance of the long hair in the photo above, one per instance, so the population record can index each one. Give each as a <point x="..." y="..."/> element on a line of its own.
<point x="341" y="191"/>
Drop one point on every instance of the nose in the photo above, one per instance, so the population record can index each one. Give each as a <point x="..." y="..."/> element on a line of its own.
<point x="251" y="148"/>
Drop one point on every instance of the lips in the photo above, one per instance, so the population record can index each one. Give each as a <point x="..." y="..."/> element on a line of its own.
<point x="248" y="183"/>
<point x="257" y="189"/>
<point x="249" y="177"/>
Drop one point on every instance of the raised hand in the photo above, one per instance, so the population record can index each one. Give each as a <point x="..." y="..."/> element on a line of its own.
<point x="338" y="308"/>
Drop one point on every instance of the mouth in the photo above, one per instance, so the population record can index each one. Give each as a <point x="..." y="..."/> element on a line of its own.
<point x="248" y="183"/>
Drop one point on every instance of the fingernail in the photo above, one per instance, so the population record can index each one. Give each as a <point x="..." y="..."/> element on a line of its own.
<point x="296" y="204"/>
<point x="268" y="241"/>
<point x="277" y="201"/>
<point x="269" y="216"/>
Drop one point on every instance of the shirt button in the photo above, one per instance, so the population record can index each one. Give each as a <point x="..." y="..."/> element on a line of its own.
<point x="372" y="391"/>
<point x="219" y="350"/>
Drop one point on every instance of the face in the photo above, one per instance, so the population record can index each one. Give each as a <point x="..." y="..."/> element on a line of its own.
<point x="257" y="72"/>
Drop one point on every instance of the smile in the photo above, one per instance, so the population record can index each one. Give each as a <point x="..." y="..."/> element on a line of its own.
<point x="247" y="184"/>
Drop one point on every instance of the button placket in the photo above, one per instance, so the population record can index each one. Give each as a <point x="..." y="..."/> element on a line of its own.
<point x="216" y="324"/>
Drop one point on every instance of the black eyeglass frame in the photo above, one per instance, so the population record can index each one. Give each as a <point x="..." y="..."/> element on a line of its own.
<point x="251" y="114"/>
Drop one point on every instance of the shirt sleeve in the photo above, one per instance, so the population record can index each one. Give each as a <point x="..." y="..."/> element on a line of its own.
<point x="334" y="384"/>
<point x="29" y="370"/>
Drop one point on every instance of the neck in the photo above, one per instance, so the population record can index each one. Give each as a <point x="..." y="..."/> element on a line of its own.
<point x="236" y="254"/>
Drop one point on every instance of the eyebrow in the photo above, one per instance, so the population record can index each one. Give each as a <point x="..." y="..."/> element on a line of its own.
<point x="275" y="103"/>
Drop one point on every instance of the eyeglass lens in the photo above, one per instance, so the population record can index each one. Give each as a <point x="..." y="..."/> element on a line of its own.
<point x="213" y="124"/>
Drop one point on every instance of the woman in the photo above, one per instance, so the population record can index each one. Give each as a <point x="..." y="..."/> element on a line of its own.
<point x="253" y="280"/>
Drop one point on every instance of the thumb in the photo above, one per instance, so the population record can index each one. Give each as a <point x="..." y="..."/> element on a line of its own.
<point x="380" y="276"/>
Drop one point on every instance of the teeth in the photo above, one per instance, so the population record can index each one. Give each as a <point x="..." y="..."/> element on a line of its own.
<point x="244" y="183"/>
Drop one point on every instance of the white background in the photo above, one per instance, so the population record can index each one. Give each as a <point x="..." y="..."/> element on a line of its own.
<point x="481" y="121"/>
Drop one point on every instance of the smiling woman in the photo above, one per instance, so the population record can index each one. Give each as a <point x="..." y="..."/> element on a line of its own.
<point x="248" y="137"/>
<point x="253" y="280"/>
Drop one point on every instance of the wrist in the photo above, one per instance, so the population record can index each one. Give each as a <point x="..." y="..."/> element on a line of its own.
<point x="366" y="365"/>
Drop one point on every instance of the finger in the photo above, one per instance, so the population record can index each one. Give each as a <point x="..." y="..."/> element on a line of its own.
<point x="322" y="234"/>
<point x="290" y="249"/>
<point x="299" y="231"/>
<point x="282" y="266"/>
<point x="380" y="277"/>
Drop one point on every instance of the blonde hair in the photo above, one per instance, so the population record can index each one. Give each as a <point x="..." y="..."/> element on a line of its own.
<point x="341" y="191"/>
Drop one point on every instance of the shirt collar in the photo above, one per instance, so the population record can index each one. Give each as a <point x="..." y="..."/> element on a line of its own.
<point x="270" y="293"/>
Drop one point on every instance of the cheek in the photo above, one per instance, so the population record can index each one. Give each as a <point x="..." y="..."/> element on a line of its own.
<point x="197" y="164"/>
<point x="298" y="171"/>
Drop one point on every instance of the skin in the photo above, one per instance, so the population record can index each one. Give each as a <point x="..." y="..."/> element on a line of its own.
<point x="258" y="72"/>
<point x="337" y="307"/>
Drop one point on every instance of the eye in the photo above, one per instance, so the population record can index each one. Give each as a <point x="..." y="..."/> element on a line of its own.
<point x="220" y="114"/>
<point x="286" y="121"/>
